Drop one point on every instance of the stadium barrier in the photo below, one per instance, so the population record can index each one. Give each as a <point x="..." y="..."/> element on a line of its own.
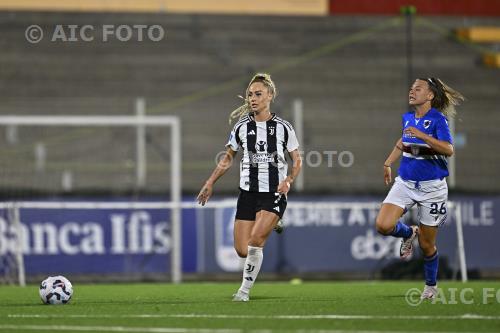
<point x="135" y="239"/>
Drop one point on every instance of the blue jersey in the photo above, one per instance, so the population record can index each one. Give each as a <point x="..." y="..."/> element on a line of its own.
<point x="420" y="162"/>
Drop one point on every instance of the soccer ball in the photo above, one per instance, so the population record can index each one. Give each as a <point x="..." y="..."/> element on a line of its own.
<point x="56" y="290"/>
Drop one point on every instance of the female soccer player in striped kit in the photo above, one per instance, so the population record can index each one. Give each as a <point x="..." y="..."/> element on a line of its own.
<point x="425" y="144"/>
<point x="264" y="183"/>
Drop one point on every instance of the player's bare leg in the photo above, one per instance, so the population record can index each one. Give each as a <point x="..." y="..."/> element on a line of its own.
<point x="264" y="223"/>
<point x="241" y="233"/>
<point x="387" y="218"/>
<point x="387" y="224"/>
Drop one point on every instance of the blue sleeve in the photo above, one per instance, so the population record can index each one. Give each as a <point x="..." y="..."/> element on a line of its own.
<point x="404" y="122"/>
<point x="443" y="131"/>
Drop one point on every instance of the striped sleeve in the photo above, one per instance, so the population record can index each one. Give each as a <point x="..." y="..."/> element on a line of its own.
<point x="292" y="142"/>
<point x="234" y="141"/>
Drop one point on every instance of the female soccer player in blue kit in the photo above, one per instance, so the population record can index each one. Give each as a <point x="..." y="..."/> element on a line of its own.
<point x="425" y="145"/>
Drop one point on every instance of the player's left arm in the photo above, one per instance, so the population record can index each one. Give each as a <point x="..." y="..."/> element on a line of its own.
<point x="441" y="144"/>
<point x="284" y="186"/>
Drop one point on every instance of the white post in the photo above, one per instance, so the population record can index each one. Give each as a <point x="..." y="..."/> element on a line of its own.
<point x="460" y="241"/>
<point x="21" y="275"/>
<point x="175" y="193"/>
<point x="452" y="181"/>
<point x="298" y="122"/>
<point x="67" y="181"/>
<point x="40" y="157"/>
<point x="11" y="135"/>
<point x="140" y="165"/>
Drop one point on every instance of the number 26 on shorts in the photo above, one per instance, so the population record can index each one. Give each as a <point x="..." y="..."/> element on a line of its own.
<point x="437" y="209"/>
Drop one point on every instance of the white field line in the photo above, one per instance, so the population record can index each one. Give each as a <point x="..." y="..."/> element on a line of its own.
<point x="115" y="329"/>
<point x="124" y="329"/>
<point x="466" y="316"/>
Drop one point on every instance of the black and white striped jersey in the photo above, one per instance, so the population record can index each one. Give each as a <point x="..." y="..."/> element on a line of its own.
<point x="263" y="165"/>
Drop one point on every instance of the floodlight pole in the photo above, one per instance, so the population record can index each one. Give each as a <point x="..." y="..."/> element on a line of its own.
<point x="409" y="12"/>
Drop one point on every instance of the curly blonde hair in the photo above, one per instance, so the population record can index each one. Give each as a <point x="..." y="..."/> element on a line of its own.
<point x="245" y="109"/>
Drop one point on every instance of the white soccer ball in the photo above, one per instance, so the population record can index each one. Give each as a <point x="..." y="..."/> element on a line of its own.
<point x="56" y="290"/>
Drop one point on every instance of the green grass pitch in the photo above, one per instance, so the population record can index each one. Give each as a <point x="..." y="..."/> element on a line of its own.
<point x="273" y="307"/>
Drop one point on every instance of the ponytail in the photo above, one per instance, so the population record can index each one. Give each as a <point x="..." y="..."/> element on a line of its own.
<point x="241" y="111"/>
<point x="445" y="98"/>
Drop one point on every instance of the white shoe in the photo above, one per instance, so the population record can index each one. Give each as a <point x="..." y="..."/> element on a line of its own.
<point x="407" y="244"/>
<point x="279" y="227"/>
<point x="429" y="292"/>
<point x="240" y="297"/>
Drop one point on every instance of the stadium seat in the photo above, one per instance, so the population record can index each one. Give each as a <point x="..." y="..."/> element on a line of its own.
<point x="480" y="34"/>
<point x="492" y="60"/>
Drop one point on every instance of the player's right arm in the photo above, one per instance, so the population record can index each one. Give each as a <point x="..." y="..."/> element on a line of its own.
<point x="221" y="168"/>
<point x="393" y="157"/>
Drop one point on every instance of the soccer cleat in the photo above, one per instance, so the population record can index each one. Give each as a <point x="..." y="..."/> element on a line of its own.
<point x="429" y="292"/>
<point x="280" y="227"/>
<point x="407" y="244"/>
<point x="240" y="297"/>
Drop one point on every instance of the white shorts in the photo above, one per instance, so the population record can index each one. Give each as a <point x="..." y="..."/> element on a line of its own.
<point x="430" y="197"/>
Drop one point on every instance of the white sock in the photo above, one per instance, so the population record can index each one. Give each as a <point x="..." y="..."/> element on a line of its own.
<point x="241" y="262"/>
<point x="252" y="268"/>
